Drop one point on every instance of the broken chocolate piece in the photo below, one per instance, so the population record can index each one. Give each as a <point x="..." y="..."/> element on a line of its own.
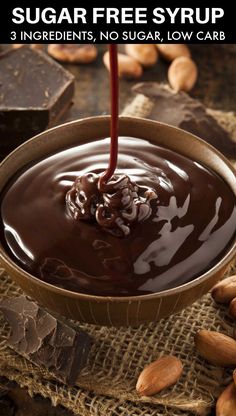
<point x="44" y="340"/>
<point x="34" y="93"/>
<point x="187" y="113"/>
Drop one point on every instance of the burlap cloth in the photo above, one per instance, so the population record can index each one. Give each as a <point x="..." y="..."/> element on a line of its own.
<point x="106" y="386"/>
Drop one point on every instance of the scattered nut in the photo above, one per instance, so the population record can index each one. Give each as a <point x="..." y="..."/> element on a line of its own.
<point x="217" y="348"/>
<point x="127" y="66"/>
<point x="73" y="53"/>
<point x="32" y="45"/>
<point x="225" y="291"/>
<point x="17" y="45"/>
<point x="173" y="51"/>
<point x="226" y="403"/>
<point x="159" y="375"/>
<point x="182" y="74"/>
<point x="145" y="54"/>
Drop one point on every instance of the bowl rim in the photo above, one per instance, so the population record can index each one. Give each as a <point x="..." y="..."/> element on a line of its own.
<point x="223" y="261"/>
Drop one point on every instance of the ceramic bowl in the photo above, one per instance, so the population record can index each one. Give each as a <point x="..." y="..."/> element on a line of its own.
<point x="104" y="310"/>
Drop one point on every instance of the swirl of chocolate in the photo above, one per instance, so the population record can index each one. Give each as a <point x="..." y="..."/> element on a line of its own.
<point x="82" y="199"/>
<point x="114" y="205"/>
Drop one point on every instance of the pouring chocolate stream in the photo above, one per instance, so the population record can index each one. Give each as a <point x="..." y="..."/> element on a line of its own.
<point x="114" y="201"/>
<point x="114" y="93"/>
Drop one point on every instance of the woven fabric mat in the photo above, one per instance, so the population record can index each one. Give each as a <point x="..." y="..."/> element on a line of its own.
<point x="107" y="383"/>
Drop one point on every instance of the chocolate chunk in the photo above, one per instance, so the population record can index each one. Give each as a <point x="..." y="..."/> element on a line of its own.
<point x="44" y="340"/>
<point x="34" y="92"/>
<point x="181" y="110"/>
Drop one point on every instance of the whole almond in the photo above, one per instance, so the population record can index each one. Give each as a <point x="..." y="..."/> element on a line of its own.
<point x="73" y="53"/>
<point x="145" y="54"/>
<point x="173" y="51"/>
<point x="182" y="74"/>
<point x="217" y="348"/>
<point x="226" y="403"/>
<point x="225" y="291"/>
<point x="32" y="45"/>
<point x="159" y="375"/>
<point x="127" y="66"/>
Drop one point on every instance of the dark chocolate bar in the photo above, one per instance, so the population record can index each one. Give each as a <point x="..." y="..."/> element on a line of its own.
<point x="44" y="340"/>
<point x="34" y="92"/>
<point x="181" y="110"/>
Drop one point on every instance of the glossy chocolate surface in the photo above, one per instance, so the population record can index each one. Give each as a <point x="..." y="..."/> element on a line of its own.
<point x="191" y="225"/>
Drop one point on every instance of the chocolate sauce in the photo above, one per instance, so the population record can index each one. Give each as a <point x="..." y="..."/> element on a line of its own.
<point x="61" y="217"/>
<point x="114" y="91"/>
<point x="115" y="205"/>
<point x="189" y="229"/>
<point x="113" y="201"/>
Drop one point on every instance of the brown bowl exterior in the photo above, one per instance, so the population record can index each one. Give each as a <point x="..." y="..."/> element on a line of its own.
<point x="116" y="311"/>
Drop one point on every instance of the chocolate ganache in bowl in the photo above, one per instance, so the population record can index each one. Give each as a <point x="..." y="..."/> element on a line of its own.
<point x="119" y="238"/>
<point x="167" y="235"/>
<point x="166" y="221"/>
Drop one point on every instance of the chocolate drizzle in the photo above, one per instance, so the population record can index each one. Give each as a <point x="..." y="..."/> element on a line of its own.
<point x="114" y="93"/>
<point x="115" y="205"/>
<point x="83" y="197"/>
<point x="115" y="202"/>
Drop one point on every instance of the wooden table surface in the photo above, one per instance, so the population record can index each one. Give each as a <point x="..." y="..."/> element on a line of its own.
<point x="216" y="88"/>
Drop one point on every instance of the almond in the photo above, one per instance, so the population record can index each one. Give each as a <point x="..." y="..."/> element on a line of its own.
<point x="172" y="51"/>
<point x="217" y="348"/>
<point x="226" y="403"/>
<point x="159" y="375"/>
<point x="225" y="291"/>
<point x="145" y="54"/>
<point x="32" y="45"/>
<point x="182" y="74"/>
<point x="73" y="53"/>
<point x="127" y="66"/>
